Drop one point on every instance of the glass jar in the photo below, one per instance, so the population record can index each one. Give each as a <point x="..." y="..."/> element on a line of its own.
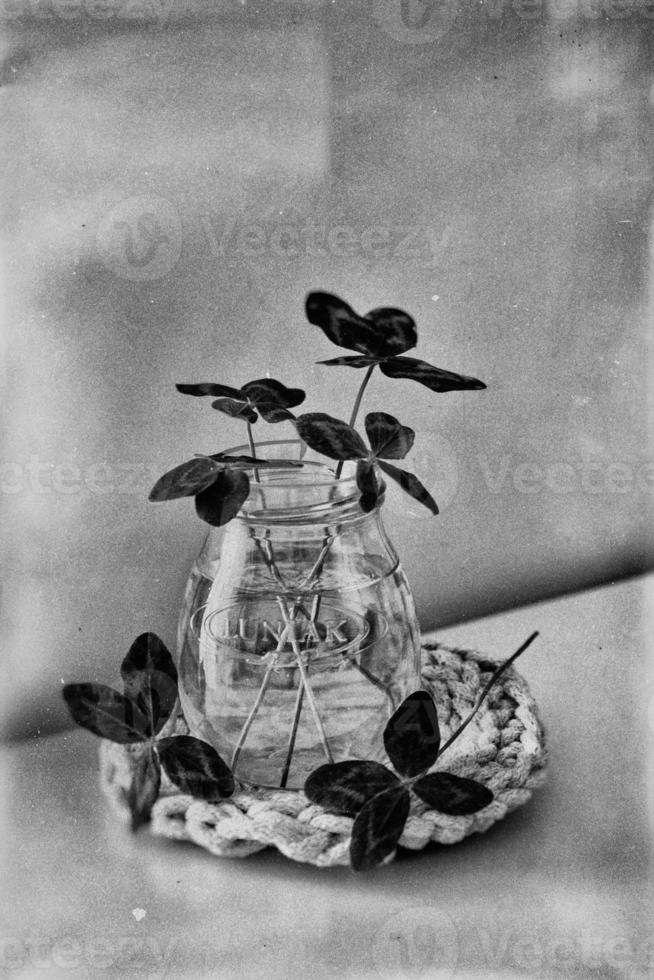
<point x="298" y="636"/>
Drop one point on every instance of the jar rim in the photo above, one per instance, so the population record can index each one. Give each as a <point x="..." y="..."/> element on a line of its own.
<point x="310" y="491"/>
<point x="312" y="465"/>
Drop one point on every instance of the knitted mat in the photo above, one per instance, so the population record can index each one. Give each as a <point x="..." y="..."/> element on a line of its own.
<point x="503" y="748"/>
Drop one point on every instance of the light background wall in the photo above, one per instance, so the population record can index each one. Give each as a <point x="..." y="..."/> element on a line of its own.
<point x="176" y="180"/>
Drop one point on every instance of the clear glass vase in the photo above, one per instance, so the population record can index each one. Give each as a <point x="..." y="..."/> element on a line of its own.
<point x="298" y="636"/>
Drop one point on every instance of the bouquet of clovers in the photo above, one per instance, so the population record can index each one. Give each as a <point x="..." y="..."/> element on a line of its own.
<point x="220" y="482"/>
<point x="375" y="796"/>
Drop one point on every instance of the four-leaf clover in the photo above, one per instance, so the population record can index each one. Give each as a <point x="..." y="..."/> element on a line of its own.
<point x="265" y="397"/>
<point x="380" y="337"/>
<point x="380" y="800"/>
<point x="137" y="716"/>
<point x="388" y="438"/>
<point x="219" y="483"/>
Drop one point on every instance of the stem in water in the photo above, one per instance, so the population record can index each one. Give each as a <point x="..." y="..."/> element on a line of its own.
<point x="298" y="703"/>
<point x="305" y="680"/>
<point x="291" y="740"/>
<point x="253" y="712"/>
<point x="269" y="558"/>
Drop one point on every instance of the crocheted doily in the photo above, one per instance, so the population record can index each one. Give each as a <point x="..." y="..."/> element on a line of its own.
<point x="503" y="748"/>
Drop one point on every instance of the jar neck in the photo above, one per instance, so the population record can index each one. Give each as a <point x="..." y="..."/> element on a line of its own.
<point x="306" y="493"/>
<point x="319" y="505"/>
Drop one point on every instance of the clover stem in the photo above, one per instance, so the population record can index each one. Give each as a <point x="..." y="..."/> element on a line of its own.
<point x="289" y="632"/>
<point x="357" y="403"/>
<point x="253" y="713"/>
<point x="314" y="573"/>
<point x="305" y="680"/>
<point x="497" y="673"/>
<point x="327" y="541"/>
<point x="253" y="451"/>
<point x="355" y="409"/>
<point x="320" y="560"/>
<point x="315" y="606"/>
<point x="268" y="558"/>
<point x="308" y="583"/>
<point x="291" y="739"/>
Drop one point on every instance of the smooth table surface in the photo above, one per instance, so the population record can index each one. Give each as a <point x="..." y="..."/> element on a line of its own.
<point x="558" y="889"/>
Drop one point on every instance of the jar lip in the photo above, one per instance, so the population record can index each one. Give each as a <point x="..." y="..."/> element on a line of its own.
<point x="310" y="492"/>
<point x="308" y="465"/>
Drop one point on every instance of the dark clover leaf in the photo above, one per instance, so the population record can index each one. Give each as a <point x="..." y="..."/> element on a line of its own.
<point x="252" y="463"/>
<point x="150" y="679"/>
<point x="273" y="413"/>
<point x="381" y="337"/>
<point x="106" y="713"/>
<point x="221" y="501"/>
<point x="195" y="767"/>
<point x="236" y="409"/>
<point x="368" y="484"/>
<point x="378" y="828"/>
<point x="453" y="795"/>
<point x="412" y="741"/>
<point x="143" y="789"/>
<point x="411" y="484"/>
<point x="267" y="394"/>
<point x="383" y="332"/>
<point x="352" y="361"/>
<point x="436" y="379"/>
<point x="412" y="735"/>
<point x="218" y="483"/>
<point x="341" y="324"/>
<point x="344" y="787"/>
<point x="208" y="388"/>
<point x="270" y="398"/>
<point x="331" y="437"/>
<point x="276" y="463"/>
<point x="185" y="480"/>
<point x="388" y="438"/>
<point x="397" y="327"/>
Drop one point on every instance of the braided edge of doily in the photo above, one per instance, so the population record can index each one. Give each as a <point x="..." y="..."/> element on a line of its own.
<point x="504" y="748"/>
